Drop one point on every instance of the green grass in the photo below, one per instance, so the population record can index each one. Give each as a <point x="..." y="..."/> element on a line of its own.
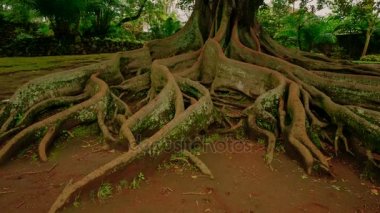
<point x="366" y="62"/>
<point x="105" y="191"/>
<point x="212" y="138"/>
<point x="17" y="64"/>
<point x="135" y="184"/>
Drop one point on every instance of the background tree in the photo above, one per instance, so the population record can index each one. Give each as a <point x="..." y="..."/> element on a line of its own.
<point x="370" y="11"/>
<point x="357" y="16"/>
<point x="100" y="14"/>
<point x="301" y="28"/>
<point x="16" y="11"/>
<point x="64" y="15"/>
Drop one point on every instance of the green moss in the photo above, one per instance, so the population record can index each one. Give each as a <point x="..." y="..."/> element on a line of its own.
<point x="41" y="132"/>
<point x="314" y="135"/>
<point x="194" y="122"/>
<point x="264" y="124"/>
<point x="270" y="105"/>
<point x="241" y="134"/>
<point x="155" y="120"/>
<point x="18" y="118"/>
<point x="191" y="91"/>
<point x="86" y="115"/>
<point x="86" y="130"/>
<point x="362" y="114"/>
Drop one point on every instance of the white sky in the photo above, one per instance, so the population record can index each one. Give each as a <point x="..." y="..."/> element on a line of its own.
<point x="183" y="16"/>
<point x="325" y="11"/>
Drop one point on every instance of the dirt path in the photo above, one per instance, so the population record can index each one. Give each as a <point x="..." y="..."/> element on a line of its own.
<point x="243" y="183"/>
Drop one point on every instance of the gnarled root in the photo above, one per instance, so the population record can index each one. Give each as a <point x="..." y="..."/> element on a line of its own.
<point x="198" y="163"/>
<point x="86" y="111"/>
<point x="183" y="124"/>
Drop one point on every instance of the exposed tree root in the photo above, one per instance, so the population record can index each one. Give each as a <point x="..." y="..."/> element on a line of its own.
<point x="81" y="113"/>
<point x="186" y="123"/>
<point x="198" y="163"/>
<point x="219" y="66"/>
<point x="45" y="141"/>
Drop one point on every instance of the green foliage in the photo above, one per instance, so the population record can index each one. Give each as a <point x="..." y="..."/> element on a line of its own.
<point x="212" y="138"/>
<point x="374" y="58"/>
<point x="44" y="30"/>
<point x="72" y="19"/>
<point x="64" y="15"/>
<point x="135" y="184"/>
<point x="82" y="131"/>
<point x="22" y="35"/>
<point x="105" y="191"/>
<point x="357" y="17"/>
<point x="161" y="23"/>
<point x="300" y="28"/>
<point x="16" y="11"/>
<point x="76" y="202"/>
<point x="34" y="157"/>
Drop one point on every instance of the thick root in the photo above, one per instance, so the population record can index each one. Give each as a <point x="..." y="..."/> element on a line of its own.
<point x="80" y="113"/>
<point x="198" y="163"/>
<point x="184" y="124"/>
<point x="45" y="141"/>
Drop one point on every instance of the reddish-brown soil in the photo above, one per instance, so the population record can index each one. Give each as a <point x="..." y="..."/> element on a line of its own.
<point x="243" y="182"/>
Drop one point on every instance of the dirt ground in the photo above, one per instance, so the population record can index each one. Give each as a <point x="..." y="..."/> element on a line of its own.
<point x="243" y="182"/>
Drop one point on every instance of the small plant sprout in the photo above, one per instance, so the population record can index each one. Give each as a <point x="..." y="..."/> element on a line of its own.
<point x="135" y="184"/>
<point x="105" y="191"/>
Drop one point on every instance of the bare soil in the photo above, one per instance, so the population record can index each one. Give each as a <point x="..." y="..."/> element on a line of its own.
<point x="243" y="182"/>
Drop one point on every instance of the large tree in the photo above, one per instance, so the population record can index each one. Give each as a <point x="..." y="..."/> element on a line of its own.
<point x="358" y="16"/>
<point x="221" y="66"/>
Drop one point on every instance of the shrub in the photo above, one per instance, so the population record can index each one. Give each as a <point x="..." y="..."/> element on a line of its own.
<point x="375" y="58"/>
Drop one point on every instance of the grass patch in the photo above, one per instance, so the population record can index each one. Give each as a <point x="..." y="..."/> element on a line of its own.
<point x="85" y="130"/>
<point x="66" y="137"/>
<point x="371" y="58"/>
<point x="105" y="191"/>
<point x="135" y="184"/>
<point x="212" y="138"/>
<point x="366" y="62"/>
<point x="17" y="64"/>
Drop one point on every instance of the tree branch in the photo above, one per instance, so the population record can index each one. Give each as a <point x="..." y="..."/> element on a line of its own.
<point x="132" y="18"/>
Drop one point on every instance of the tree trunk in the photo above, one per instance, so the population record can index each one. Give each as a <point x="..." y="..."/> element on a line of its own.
<point x="221" y="65"/>
<point x="367" y="40"/>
